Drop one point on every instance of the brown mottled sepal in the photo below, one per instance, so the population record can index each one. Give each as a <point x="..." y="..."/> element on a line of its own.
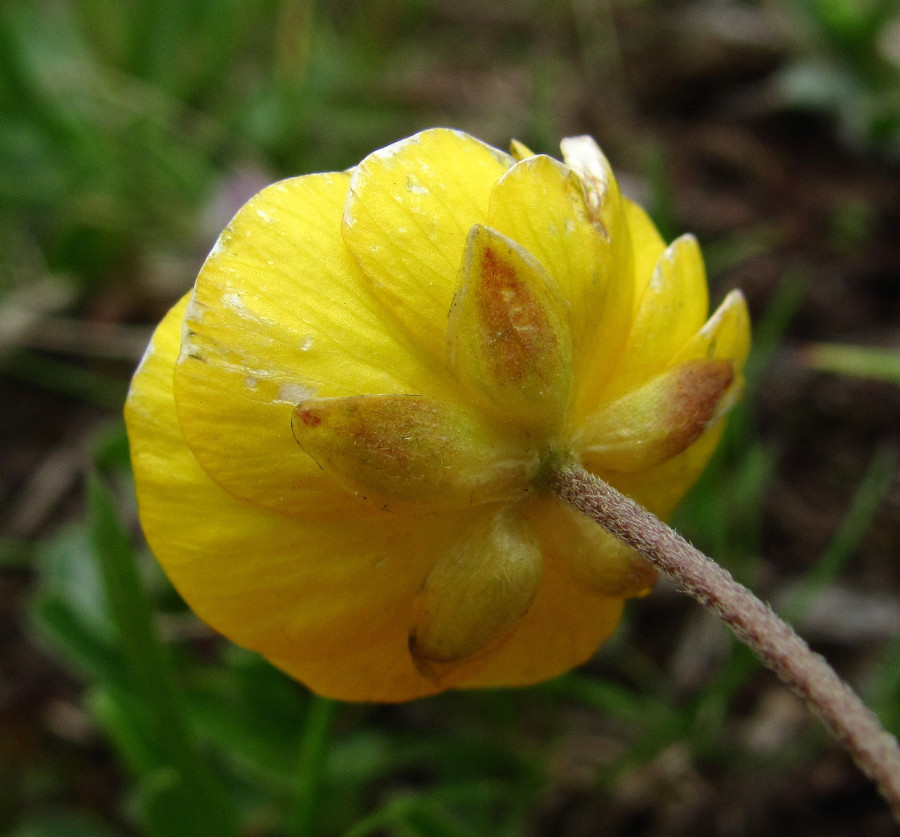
<point x="655" y="422"/>
<point x="404" y="449"/>
<point x="508" y="336"/>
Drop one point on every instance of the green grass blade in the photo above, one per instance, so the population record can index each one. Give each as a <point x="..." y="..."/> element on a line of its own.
<point x="871" y="491"/>
<point x="313" y="752"/>
<point x="15" y="553"/>
<point x="65" y="378"/>
<point x="884" y="688"/>
<point x="68" y="824"/>
<point x="856" y="361"/>
<point x="59" y="624"/>
<point x="123" y="718"/>
<point x="153" y="676"/>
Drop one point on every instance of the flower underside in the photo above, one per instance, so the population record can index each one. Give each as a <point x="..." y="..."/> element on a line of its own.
<point x="371" y="373"/>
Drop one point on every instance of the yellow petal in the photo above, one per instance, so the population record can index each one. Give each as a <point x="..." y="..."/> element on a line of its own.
<point x="296" y="590"/>
<point x="384" y="673"/>
<point x="725" y="335"/>
<point x="672" y="308"/>
<point x="410" y="208"/>
<point x="519" y="151"/>
<point x="281" y="313"/>
<point x="647" y="246"/>
<point x="658" y="420"/>
<point x="508" y="333"/>
<point x="479" y="590"/>
<point x="564" y="626"/>
<point x="402" y="451"/>
<point x="599" y="562"/>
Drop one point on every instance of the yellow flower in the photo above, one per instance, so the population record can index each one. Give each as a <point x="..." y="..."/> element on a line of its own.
<point x="338" y="436"/>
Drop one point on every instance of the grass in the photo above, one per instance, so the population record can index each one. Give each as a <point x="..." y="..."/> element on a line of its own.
<point x="122" y="125"/>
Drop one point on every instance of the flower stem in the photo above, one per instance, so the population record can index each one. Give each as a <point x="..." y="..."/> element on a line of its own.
<point x="874" y="750"/>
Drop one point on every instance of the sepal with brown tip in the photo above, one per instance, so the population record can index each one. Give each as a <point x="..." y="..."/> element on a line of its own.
<point x="405" y="450"/>
<point x="655" y="422"/>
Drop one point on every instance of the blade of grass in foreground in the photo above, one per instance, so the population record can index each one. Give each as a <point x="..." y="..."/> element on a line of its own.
<point x="313" y="752"/>
<point x="184" y="778"/>
<point x="870" y="493"/>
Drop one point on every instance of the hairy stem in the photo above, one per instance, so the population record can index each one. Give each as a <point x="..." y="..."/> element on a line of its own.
<point x="873" y="749"/>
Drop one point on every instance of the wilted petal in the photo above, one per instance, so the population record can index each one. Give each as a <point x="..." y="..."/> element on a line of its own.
<point x="540" y="204"/>
<point x="583" y="155"/>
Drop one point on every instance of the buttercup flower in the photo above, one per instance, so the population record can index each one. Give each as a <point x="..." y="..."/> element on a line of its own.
<point x="339" y="435"/>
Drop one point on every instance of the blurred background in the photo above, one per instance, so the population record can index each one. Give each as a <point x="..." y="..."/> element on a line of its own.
<point x="130" y="133"/>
